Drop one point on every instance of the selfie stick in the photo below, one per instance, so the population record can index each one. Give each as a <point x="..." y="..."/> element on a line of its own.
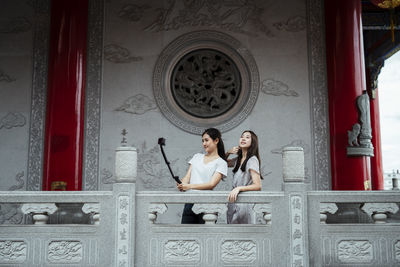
<point x="161" y="142"/>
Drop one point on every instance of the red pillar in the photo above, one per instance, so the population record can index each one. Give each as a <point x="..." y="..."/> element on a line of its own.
<point x="376" y="161"/>
<point x="346" y="81"/>
<point x="65" y="95"/>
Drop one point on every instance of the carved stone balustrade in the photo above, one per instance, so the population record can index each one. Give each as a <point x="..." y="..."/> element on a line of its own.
<point x="379" y="211"/>
<point x="39" y="211"/>
<point x="94" y="210"/>
<point x="265" y="209"/>
<point x="155" y="208"/>
<point x="210" y="211"/>
<point x="325" y="208"/>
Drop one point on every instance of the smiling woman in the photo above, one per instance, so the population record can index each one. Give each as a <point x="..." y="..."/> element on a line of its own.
<point x="389" y="81"/>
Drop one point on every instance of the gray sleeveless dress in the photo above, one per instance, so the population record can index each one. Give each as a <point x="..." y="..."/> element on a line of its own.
<point x="243" y="212"/>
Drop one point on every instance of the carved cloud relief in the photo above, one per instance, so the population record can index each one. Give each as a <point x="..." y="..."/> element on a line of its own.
<point x="15" y="25"/>
<point x="277" y="88"/>
<point x="137" y="104"/>
<point x="5" y="78"/>
<point x="293" y="24"/>
<point x="243" y="17"/>
<point x="11" y="120"/>
<point x="118" y="54"/>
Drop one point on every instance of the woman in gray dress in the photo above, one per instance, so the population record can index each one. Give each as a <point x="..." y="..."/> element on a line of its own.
<point x="246" y="177"/>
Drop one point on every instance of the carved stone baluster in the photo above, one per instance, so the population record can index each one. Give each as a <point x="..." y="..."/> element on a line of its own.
<point x="155" y="208"/>
<point x="94" y="210"/>
<point x="325" y="208"/>
<point x="40" y="211"/>
<point x="265" y="209"/>
<point x="378" y="211"/>
<point x="210" y="211"/>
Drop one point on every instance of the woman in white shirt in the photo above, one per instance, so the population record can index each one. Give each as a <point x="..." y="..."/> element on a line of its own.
<point x="205" y="171"/>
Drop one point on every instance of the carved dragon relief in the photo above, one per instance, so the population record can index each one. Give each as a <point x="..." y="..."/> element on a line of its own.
<point x="231" y="16"/>
<point x="206" y="83"/>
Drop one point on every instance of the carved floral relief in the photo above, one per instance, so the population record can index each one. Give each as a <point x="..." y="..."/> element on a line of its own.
<point x="238" y="251"/>
<point x="355" y="251"/>
<point x="181" y="251"/>
<point x="65" y="251"/>
<point x="12" y="251"/>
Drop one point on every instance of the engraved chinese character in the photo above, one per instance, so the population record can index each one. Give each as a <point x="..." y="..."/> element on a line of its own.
<point x="297" y="234"/>
<point x="123" y="250"/>
<point x="122" y="263"/>
<point x="122" y="234"/>
<point x="296" y="203"/>
<point x="297" y="250"/>
<point x="297" y="219"/>
<point x="123" y="203"/>
<point x="298" y="263"/>
<point x="123" y="219"/>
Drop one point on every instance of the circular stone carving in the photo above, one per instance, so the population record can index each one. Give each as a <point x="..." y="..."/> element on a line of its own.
<point x="205" y="83"/>
<point x="218" y="90"/>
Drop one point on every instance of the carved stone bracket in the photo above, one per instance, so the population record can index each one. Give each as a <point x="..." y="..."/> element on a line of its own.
<point x="265" y="209"/>
<point x="210" y="211"/>
<point x="94" y="210"/>
<point x="378" y="211"/>
<point x="325" y="208"/>
<point x="155" y="208"/>
<point x="40" y="211"/>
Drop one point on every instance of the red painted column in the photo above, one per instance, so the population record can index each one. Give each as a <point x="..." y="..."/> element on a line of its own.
<point x="346" y="81"/>
<point x="376" y="161"/>
<point x="65" y="95"/>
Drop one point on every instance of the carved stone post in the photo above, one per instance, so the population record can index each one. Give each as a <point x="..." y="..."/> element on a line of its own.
<point x="155" y="208"/>
<point x="293" y="177"/>
<point x="325" y="208"/>
<point x="94" y="210"/>
<point x="293" y="164"/>
<point x="124" y="193"/>
<point x="378" y="211"/>
<point x="126" y="164"/>
<point x="210" y="211"/>
<point x="40" y="211"/>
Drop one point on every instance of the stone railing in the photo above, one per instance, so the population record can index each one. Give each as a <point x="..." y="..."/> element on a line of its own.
<point x="295" y="227"/>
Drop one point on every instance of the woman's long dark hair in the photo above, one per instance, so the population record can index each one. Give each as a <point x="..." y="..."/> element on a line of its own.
<point x="251" y="151"/>
<point x="216" y="134"/>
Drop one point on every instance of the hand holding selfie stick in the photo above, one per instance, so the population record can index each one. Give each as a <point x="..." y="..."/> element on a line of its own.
<point x="161" y="142"/>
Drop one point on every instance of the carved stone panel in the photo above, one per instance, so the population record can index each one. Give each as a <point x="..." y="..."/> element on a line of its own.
<point x="355" y="251"/>
<point x="397" y="250"/>
<point x="181" y="251"/>
<point x="238" y="251"/>
<point x="65" y="251"/>
<point x="12" y="251"/>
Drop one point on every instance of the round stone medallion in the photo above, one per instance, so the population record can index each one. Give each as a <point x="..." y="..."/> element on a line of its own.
<point x="205" y="79"/>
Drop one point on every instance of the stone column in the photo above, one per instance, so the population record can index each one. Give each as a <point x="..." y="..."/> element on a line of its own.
<point x="346" y="81"/>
